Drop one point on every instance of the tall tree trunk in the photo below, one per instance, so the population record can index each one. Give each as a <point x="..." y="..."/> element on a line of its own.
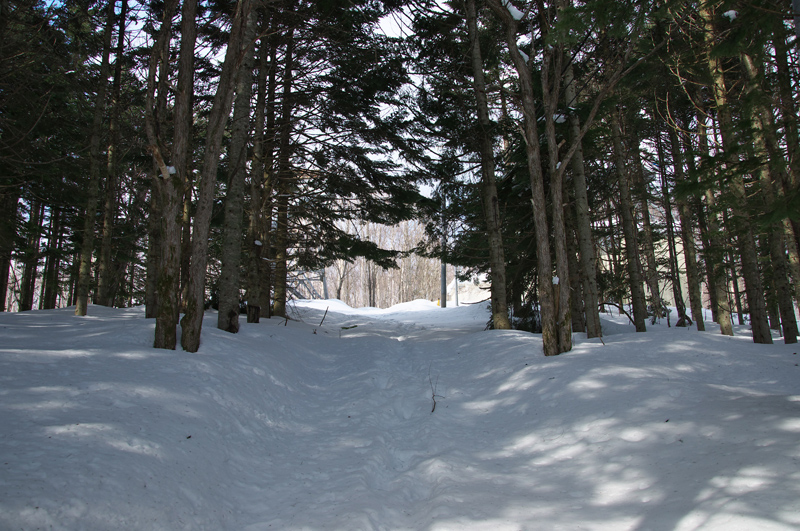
<point x="583" y="221"/>
<point x="284" y="177"/>
<point x="547" y="302"/>
<point x="576" y="293"/>
<point x="52" y="261"/>
<point x="714" y="253"/>
<point x="93" y="184"/>
<point x="229" y="280"/>
<point x="629" y="228"/>
<point x="30" y="257"/>
<point x="675" y="277"/>
<point x="491" y="207"/>
<point x="687" y="235"/>
<point x="641" y="186"/>
<point x="750" y="271"/>
<point x="257" y="239"/>
<point x="772" y="167"/>
<point x="192" y="321"/>
<point x="104" y="266"/>
<point x="8" y="233"/>
<point x="551" y="81"/>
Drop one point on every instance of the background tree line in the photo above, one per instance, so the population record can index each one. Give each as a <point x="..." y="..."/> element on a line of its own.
<point x="581" y="153"/>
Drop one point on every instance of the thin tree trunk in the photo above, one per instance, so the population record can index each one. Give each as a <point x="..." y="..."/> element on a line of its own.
<point x="192" y="321"/>
<point x="750" y="271"/>
<point x="52" y="261"/>
<point x="687" y="235"/>
<point x="257" y="242"/>
<point x="229" y="280"/>
<point x="651" y="278"/>
<point x="771" y="169"/>
<point x="491" y="207"/>
<point x="93" y="184"/>
<point x="583" y="221"/>
<point x="629" y="228"/>
<point x="675" y="276"/>
<point x="8" y="233"/>
<point x="714" y="253"/>
<point x="104" y="273"/>
<point x="30" y="259"/>
<point x="551" y="79"/>
<point x="284" y="177"/>
<point x="547" y="301"/>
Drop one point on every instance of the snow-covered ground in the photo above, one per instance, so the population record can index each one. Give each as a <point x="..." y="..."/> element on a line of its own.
<point x="302" y="425"/>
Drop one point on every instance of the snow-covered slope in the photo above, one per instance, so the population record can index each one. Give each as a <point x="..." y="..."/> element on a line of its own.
<point x="302" y="425"/>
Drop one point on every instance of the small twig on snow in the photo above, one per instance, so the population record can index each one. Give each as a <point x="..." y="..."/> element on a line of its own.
<point x="433" y="387"/>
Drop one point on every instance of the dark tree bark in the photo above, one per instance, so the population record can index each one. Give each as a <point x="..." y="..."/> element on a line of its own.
<point x="192" y="321"/>
<point x="50" y="280"/>
<point x="491" y="207"/>
<point x="687" y="235"/>
<point x="750" y="271"/>
<point x="93" y="183"/>
<point x="284" y="178"/>
<point x="30" y="257"/>
<point x="583" y="221"/>
<point x="629" y="227"/>
<point x="104" y="294"/>
<point x="642" y="188"/>
<point x="8" y="233"/>
<point x="229" y="280"/>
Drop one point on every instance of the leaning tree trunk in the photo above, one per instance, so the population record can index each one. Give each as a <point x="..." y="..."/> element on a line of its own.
<point x="491" y="208"/>
<point x="628" y="228"/>
<point x="229" y="295"/>
<point x="192" y="321"/>
<point x="93" y="184"/>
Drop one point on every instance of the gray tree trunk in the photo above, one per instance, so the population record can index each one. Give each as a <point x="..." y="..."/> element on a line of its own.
<point x="228" y="315"/>
<point x="491" y="208"/>
<point x="629" y="228"/>
<point x="583" y="221"/>
<point x="752" y="278"/>
<point x="284" y="178"/>
<point x="93" y="184"/>
<point x="687" y="235"/>
<point x="105" y="281"/>
<point x="192" y="321"/>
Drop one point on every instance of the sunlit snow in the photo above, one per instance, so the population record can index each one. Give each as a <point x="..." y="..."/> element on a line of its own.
<point x="311" y="424"/>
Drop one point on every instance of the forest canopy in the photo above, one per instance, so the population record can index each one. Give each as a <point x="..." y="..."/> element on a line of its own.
<point x="578" y="154"/>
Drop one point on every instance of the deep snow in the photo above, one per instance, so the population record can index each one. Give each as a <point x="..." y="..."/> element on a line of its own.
<point x="297" y="425"/>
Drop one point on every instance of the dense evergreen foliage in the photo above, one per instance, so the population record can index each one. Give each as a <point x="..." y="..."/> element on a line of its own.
<point x="641" y="154"/>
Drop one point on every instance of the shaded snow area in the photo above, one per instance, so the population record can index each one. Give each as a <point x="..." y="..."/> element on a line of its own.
<point x="296" y="425"/>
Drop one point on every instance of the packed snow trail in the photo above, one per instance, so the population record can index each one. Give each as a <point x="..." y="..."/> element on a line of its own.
<point x="301" y="425"/>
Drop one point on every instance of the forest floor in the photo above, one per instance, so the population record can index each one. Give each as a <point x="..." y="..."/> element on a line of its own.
<point x="303" y="424"/>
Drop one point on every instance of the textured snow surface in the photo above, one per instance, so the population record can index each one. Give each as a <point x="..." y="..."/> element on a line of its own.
<point x="297" y="425"/>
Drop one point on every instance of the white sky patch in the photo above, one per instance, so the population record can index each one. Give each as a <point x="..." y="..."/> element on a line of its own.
<point x="731" y="15"/>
